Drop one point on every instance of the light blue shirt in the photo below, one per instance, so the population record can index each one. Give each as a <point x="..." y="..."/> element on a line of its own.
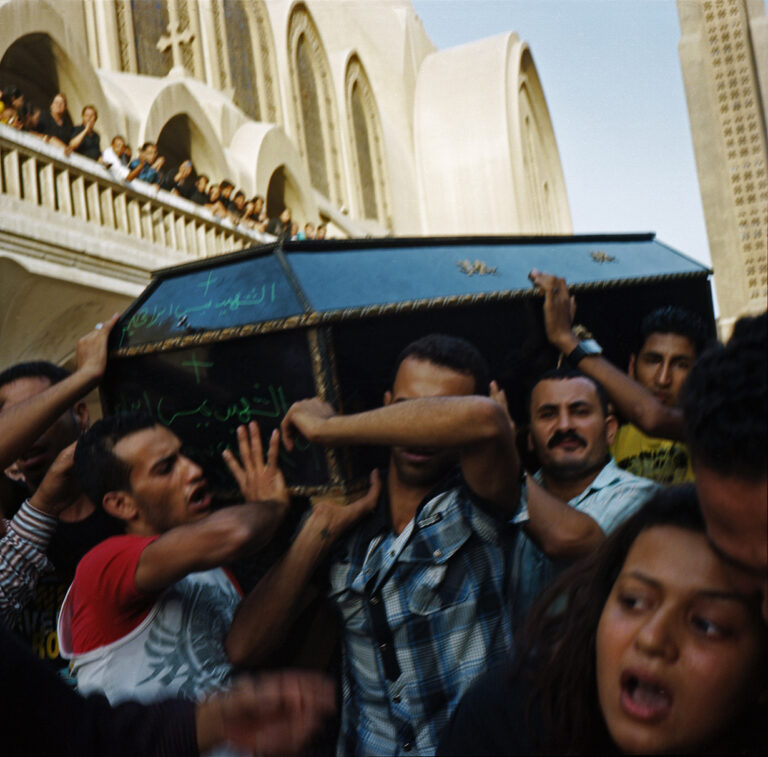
<point x="609" y="500"/>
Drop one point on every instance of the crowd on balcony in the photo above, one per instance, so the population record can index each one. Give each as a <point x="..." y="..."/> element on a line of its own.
<point x="223" y="200"/>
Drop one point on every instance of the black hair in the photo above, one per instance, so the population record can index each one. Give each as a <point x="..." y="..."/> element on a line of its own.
<point x="11" y="93"/>
<point x="725" y="403"/>
<point x="99" y="469"/>
<point x="559" y="638"/>
<point x="673" y="319"/>
<point x="449" y="352"/>
<point x="34" y="369"/>
<point x="560" y="374"/>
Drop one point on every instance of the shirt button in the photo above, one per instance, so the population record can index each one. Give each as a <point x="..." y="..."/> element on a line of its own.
<point x="437" y="553"/>
<point x="383" y="646"/>
<point x="374" y="600"/>
<point x="407" y="746"/>
<point x="397" y="699"/>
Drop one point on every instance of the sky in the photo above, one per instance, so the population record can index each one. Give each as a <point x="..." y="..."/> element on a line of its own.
<point x="612" y="80"/>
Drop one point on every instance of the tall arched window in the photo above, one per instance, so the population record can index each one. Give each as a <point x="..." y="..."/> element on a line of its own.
<point x="367" y="142"/>
<point x="310" y="117"/>
<point x="314" y="105"/>
<point x="150" y="21"/>
<point x="246" y="35"/>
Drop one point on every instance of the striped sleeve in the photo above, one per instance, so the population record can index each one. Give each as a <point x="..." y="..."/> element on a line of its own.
<point x="22" y="559"/>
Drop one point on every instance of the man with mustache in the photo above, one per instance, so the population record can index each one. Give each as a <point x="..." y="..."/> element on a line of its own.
<point x="650" y="443"/>
<point x="579" y="494"/>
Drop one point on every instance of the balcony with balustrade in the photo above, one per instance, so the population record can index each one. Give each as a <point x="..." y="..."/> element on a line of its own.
<point x="74" y="242"/>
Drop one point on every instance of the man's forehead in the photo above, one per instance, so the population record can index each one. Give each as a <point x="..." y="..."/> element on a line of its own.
<point x="669" y="342"/>
<point x="147" y="445"/>
<point x="565" y="390"/>
<point x="22" y="389"/>
<point x="422" y="377"/>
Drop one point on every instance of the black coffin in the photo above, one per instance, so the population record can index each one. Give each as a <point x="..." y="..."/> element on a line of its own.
<point x="216" y="343"/>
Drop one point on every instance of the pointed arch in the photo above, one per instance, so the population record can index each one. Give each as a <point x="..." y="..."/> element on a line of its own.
<point x="367" y="154"/>
<point x="247" y="62"/>
<point x="176" y="114"/>
<point x="36" y="54"/>
<point x="314" y="105"/>
<point x="545" y="187"/>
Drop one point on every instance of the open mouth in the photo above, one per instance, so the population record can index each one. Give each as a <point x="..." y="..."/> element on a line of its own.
<point x="199" y="499"/>
<point x="644" y="698"/>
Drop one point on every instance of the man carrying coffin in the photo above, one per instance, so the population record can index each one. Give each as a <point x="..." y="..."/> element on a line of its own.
<point x="421" y="584"/>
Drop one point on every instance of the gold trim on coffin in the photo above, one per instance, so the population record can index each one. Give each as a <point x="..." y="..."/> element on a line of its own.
<point x="368" y="311"/>
<point x="321" y="389"/>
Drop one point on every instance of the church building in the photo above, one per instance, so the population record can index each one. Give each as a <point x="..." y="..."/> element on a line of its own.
<point x="343" y="111"/>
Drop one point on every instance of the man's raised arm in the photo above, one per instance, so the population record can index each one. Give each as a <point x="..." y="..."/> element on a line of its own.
<point x="632" y="400"/>
<point x="230" y="532"/>
<point x="271" y="607"/>
<point x="478" y="426"/>
<point x="22" y="424"/>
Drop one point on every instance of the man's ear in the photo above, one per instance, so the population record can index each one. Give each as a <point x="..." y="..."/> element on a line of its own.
<point x="387" y="397"/>
<point x="611" y="427"/>
<point x="121" y="505"/>
<point x="530" y="441"/>
<point x="82" y="416"/>
<point x="631" y="366"/>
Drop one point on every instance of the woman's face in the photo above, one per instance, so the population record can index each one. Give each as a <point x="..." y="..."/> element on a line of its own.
<point x="679" y="649"/>
<point x="59" y="105"/>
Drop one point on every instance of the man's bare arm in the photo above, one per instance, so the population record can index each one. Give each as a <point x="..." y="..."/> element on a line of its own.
<point x="478" y="426"/>
<point x="632" y="400"/>
<point x="559" y="530"/>
<point x="264" y="615"/>
<point x="22" y="424"/>
<point x="210" y="543"/>
<point x="227" y="534"/>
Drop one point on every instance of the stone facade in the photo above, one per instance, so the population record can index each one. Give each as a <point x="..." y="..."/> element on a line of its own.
<point x="344" y="111"/>
<point x="724" y="56"/>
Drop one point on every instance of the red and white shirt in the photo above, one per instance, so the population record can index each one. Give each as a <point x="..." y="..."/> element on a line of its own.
<point x="132" y="645"/>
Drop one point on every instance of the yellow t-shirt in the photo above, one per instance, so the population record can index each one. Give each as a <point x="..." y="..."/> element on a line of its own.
<point x="662" y="460"/>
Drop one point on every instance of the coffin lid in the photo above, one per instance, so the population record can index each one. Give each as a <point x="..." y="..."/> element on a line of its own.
<point x="293" y="284"/>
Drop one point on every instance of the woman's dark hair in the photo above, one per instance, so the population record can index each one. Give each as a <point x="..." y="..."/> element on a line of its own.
<point x="557" y="644"/>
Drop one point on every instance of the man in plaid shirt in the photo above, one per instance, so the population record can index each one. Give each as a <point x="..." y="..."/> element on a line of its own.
<point x="422" y="583"/>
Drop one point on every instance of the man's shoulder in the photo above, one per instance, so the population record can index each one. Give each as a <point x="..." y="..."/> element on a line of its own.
<point x="614" y="477"/>
<point x="630" y="439"/>
<point x="112" y="547"/>
<point x="615" y="495"/>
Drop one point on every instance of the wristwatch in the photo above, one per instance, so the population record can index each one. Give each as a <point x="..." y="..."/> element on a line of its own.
<point x="584" y="349"/>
